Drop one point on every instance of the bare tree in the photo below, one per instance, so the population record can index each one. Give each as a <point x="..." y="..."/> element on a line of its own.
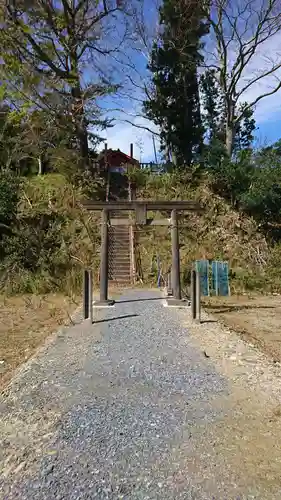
<point x="238" y="49"/>
<point x="131" y="66"/>
<point x="66" y="44"/>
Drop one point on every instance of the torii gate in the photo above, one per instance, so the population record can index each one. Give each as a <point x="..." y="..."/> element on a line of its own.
<point x="140" y="207"/>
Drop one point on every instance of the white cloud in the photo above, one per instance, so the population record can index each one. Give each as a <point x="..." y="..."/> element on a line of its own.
<point x="123" y="134"/>
<point x="264" y="59"/>
<point x="267" y="55"/>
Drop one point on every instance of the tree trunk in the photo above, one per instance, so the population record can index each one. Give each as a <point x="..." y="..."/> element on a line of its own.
<point x="40" y="165"/>
<point x="230" y="127"/>
<point x="80" y="126"/>
<point x="198" y="117"/>
<point x="229" y="139"/>
<point x="78" y="111"/>
<point x="174" y="159"/>
<point x="167" y="154"/>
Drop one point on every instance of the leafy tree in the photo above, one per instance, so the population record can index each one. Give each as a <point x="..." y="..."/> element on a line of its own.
<point x="57" y="42"/>
<point x="26" y="139"/>
<point x="11" y="152"/>
<point x="213" y="107"/>
<point x="214" y="117"/>
<point x="174" y="61"/>
<point x="263" y="198"/>
<point x="272" y="152"/>
<point x="232" y="179"/>
<point x="9" y="198"/>
<point x="244" y="129"/>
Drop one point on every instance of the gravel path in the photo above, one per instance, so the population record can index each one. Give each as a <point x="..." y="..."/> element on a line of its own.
<point x="126" y="408"/>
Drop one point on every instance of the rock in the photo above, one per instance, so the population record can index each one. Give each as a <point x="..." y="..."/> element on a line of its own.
<point x="48" y="470"/>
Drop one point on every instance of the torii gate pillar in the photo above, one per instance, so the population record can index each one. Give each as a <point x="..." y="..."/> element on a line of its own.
<point x="176" y="282"/>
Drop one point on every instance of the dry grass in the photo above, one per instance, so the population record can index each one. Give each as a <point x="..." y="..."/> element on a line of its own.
<point x="26" y="321"/>
<point x="219" y="233"/>
<point x="256" y="318"/>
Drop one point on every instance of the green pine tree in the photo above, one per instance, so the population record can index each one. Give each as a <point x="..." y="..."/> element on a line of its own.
<point x="175" y="106"/>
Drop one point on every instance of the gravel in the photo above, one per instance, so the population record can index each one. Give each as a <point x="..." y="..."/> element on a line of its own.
<point x="116" y="410"/>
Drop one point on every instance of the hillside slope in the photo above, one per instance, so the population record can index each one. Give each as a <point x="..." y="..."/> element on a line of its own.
<point x="55" y="238"/>
<point x="219" y="233"/>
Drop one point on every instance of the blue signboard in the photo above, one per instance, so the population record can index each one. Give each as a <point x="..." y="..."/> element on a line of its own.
<point x="220" y="283"/>
<point x="202" y="266"/>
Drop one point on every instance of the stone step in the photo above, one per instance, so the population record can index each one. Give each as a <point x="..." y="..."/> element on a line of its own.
<point x="119" y="244"/>
<point x="120" y="283"/>
<point x="119" y="227"/>
<point x="119" y="251"/>
<point x="122" y="269"/>
<point x="119" y="239"/>
<point x="121" y="265"/>
<point x="120" y="272"/>
<point x="120" y="259"/>
<point x="122" y="248"/>
<point x="123" y="234"/>
<point x="119" y="235"/>
<point x="120" y="279"/>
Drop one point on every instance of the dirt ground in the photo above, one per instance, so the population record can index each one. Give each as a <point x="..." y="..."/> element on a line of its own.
<point x="25" y="322"/>
<point x="257" y="319"/>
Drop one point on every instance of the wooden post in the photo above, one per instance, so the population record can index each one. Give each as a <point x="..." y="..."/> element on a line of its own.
<point x="90" y="274"/>
<point x="169" y="285"/>
<point x="131" y="231"/>
<point x="198" y="297"/>
<point x="104" y="262"/>
<point x="176" y="286"/>
<point x="193" y="293"/>
<point x="103" y="301"/>
<point x="104" y="258"/>
<point x="86" y="294"/>
<point x="107" y="173"/>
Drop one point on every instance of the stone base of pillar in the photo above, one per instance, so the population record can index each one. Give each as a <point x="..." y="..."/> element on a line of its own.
<point x="172" y="302"/>
<point x="104" y="303"/>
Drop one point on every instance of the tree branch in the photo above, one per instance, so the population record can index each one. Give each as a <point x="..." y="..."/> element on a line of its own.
<point x="255" y="101"/>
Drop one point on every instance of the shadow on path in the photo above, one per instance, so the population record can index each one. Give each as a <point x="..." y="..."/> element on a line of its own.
<point x="137" y="300"/>
<point x="208" y="321"/>
<point x="107" y="320"/>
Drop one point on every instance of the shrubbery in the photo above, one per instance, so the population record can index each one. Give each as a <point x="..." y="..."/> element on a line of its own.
<point x="46" y="239"/>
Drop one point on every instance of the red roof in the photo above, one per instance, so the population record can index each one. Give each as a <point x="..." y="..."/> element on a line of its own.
<point x="116" y="158"/>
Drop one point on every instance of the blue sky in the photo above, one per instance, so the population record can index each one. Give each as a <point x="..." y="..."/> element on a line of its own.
<point x="121" y="135"/>
<point x="269" y="131"/>
<point x="132" y="72"/>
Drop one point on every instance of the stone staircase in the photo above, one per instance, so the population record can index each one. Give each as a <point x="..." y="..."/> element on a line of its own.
<point x="120" y="254"/>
